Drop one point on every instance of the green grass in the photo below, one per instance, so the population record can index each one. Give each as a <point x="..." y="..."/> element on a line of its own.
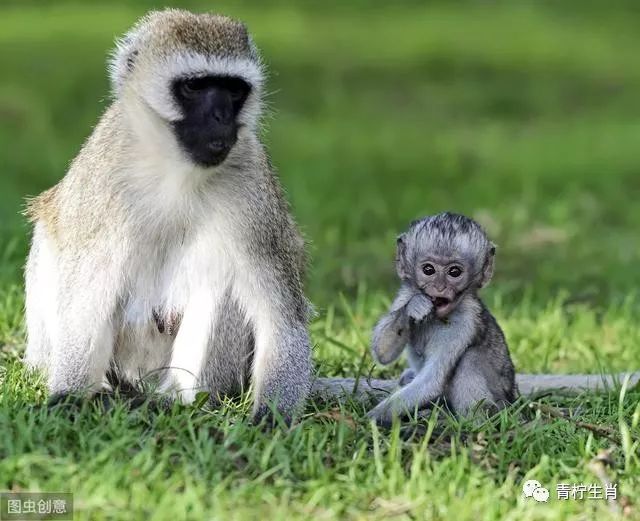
<point x="525" y="116"/>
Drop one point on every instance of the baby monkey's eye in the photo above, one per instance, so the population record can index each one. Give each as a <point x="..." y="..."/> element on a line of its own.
<point x="455" y="271"/>
<point x="428" y="269"/>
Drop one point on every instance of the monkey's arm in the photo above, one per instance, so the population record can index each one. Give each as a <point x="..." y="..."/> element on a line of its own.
<point x="189" y="351"/>
<point x="391" y="333"/>
<point x="281" y="372"/>
<point x="282" y="358"/>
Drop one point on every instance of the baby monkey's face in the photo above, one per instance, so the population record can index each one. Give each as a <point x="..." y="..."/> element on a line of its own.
<point x="446" y="256"/>
<point x="444" y="280"/>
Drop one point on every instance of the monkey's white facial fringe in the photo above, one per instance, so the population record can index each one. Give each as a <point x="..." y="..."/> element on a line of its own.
<point x="161" y="98"/>
<point x="191" y="64"/>
<point x="158" y="76"/>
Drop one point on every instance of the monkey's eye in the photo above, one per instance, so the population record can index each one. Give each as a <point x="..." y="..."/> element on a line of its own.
<point x="455" y="271"/>
<point x="428" y="269"/>
<point x="191" y="86"/>
<point x="237" y="89"/>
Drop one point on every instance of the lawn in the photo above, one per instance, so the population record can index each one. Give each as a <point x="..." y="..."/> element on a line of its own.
<point x="525" y="116"/>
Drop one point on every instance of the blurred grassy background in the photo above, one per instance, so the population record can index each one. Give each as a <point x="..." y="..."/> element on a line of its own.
<point x="524" y="115"/>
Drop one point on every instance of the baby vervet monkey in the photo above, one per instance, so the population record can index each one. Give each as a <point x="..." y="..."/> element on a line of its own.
<point x="456" y="349"/>
<point x="168" y="248"/>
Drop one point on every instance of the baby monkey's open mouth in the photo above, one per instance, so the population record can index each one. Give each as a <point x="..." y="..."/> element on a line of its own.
<point x="439" y="302"/>
<point x="443" y="306"/>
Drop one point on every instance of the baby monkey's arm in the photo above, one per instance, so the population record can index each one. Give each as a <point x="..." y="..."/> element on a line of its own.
<point x="391" y="333"/>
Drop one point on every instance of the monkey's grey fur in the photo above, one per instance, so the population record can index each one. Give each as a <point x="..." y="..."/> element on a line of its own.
<point x="137" y="237"/>
<point x="455" y="348"/>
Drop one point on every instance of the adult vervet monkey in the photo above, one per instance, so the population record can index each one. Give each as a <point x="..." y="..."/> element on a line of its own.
<point x="168" y="246"/>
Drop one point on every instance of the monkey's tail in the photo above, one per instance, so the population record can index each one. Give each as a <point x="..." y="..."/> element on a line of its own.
<point x="534" y="383"/>
<point x="528" y="384"/>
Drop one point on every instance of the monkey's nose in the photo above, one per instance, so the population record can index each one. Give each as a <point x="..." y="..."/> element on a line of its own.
<point x="438" y="293"/>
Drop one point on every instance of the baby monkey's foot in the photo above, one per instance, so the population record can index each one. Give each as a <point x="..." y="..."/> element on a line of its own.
<point x="406" y="377"/>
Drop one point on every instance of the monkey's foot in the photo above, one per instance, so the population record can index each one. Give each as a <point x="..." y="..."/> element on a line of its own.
<point x="406" y="377"/>
<point x="65" y="399"/>
<point x="395" y="407"/>
<point x="268" y="419"/>
<point x="382" y="413"/>
<point x="106" y="400"/>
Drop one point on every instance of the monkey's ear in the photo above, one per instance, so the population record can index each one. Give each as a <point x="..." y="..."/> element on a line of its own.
<point x="122" y="61"/>
<point x="487" y="269"/>
<point x="402" y="266"/>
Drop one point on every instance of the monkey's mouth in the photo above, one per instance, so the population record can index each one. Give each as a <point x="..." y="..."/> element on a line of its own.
<point x="443" y="306"/>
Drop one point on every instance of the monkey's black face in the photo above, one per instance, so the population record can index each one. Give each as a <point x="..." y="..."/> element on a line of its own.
<point x="444" y="281"/>
<point x="210" y="105"/>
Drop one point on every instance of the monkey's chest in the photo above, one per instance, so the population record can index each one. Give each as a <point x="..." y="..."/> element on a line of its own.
<point x="421" y="342"/>
<point x="157" y="301"/>
<point x="156" y="315"/>
<point x="161" y="286"/>
<point x="152" y="317"/>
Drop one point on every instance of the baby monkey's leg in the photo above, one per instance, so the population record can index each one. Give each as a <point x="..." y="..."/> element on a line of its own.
<point x="467" y="388"/>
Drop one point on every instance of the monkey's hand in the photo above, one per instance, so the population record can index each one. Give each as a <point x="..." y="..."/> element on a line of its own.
<point x="419" y="307"/>
<point x="405" y="294"/>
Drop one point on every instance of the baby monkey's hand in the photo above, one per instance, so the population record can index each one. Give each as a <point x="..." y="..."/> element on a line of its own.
<point x="419" y="307"/>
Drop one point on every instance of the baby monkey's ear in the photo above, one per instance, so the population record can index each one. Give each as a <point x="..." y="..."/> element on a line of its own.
<point x="402" y="265"/>
<point x="487" y="269"/>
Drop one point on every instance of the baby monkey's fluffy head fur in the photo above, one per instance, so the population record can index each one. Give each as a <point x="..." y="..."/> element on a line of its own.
<point x="170" y="44"/>
<point x="446" y="256"/>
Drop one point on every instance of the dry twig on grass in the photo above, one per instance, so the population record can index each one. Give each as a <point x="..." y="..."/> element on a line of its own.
<point x="565" y="414"/>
